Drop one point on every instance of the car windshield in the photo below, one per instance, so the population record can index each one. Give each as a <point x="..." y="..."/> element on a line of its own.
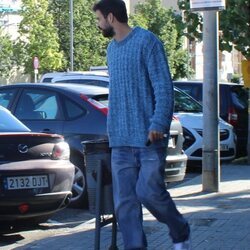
<point x="185" y="103"/>
<point x="9" y="123"/>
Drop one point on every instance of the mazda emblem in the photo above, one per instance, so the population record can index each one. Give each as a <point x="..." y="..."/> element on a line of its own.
<point x="22" y="148"/>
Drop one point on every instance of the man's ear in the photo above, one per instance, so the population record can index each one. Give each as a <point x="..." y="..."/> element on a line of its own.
<point x="110" y="18"/>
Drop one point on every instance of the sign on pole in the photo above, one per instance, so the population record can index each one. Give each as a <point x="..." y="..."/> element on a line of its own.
<point x="203" y="5"/>
<point x="36" y="62"/>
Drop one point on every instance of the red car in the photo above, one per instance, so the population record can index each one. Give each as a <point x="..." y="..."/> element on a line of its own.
<point x="36" y="175"/>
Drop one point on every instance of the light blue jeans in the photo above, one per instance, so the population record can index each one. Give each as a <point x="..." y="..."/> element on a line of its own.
<point x="138" y="178"/>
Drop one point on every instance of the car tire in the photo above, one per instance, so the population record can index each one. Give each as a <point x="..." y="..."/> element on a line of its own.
<point x="79" y="197"/>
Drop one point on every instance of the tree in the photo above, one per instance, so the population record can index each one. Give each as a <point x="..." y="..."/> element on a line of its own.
<point x="234" y="23"/>
<point x="89" y="44"/>
<point x="6" y="55"/>
<point x="38" y="37"/>
<point x="167" y="25"/>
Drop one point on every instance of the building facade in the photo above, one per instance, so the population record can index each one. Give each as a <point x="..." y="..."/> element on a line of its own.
<point x="9" y="17"/>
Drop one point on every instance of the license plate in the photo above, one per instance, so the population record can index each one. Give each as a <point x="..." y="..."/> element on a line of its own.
<point x="26" y="182"/>
<point x="224" y="147"/>
<point x="171" y="143"/>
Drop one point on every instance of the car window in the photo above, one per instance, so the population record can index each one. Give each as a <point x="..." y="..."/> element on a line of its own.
<point x="103" y="99"/>
<point x="47" y="79"/>
<point x="239" y="97"/>
<point x="6" y="97"/>
<point x="9" y="123"/>
<point x="184" y="103"/>
<point x="38" y="105"/>
<point x="194" y="90"/>
<point x="73" y="110"/>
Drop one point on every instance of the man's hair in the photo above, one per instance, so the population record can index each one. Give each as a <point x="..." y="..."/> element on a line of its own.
<point x="116" y="7"/>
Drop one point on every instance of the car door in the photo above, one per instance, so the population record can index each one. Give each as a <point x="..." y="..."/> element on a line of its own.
<point x="40" y="110"/>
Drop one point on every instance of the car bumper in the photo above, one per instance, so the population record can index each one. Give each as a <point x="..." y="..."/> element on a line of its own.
<point x="12" y="209"/>
<point x="35" y="201"/>
<point x="194" y="152"/>
<point x="175" y="167"/>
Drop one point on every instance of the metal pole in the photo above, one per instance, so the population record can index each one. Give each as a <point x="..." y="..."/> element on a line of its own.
<point x="35" y="73"/>
<point x="71" y="35"/>
<point x="211" y="153"/>
<point x="248" y="142"/>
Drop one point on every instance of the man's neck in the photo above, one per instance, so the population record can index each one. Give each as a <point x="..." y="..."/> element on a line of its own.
<point x="122" y="31"/>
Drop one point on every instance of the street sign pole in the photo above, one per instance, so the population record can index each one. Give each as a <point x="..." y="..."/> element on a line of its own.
<point x="35" y="66"/>
<point x="211" y="146"/>
<point x="211" y="149"/>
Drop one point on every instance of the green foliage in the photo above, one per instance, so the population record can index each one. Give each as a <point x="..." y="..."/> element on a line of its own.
<point x="38" y="37"/>
<point x="89" y="44"/>
<point x="235" y="26"/>
<point x="235" y="78"/>
<point x="6" y="55"/>
<point x="193" y="22"/>
<point x="167" y="25"/>
<point x="234" y="23"/>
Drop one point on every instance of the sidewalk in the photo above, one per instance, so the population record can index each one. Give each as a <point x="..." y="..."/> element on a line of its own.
<point x="218" y="220"/>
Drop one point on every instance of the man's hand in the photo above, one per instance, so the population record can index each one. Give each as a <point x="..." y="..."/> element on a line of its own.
<point x="154" y="136"/>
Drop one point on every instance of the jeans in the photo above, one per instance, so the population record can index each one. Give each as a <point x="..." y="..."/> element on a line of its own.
<point x="138" y="178"/>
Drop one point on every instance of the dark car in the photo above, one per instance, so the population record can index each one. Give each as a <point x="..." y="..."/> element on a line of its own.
<point x="79" y="113"/>
<point x="233" y="100"/>
<point x="36" y="175"/>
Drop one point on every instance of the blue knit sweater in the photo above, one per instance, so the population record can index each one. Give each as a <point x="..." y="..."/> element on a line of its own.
<point x="141" y="89"/>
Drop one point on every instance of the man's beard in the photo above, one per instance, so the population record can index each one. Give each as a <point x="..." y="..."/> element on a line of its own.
<point x="108" y="32"/>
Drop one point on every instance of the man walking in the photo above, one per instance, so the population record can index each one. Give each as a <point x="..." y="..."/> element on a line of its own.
<point x="140" y="113"/>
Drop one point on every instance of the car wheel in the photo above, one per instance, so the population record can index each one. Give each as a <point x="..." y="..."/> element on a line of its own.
<point x="79" y="188"/>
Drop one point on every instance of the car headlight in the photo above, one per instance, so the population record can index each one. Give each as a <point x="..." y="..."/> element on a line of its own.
<point x="61" y="151"/>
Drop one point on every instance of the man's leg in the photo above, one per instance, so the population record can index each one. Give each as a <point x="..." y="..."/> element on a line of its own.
<point x="151" y="191"/>
<point x="127" y="207"/>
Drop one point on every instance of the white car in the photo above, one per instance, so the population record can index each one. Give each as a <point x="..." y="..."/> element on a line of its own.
<point x="189" y="112"/>
<point x="97" y="78"/>
<point x="73" y="75"/>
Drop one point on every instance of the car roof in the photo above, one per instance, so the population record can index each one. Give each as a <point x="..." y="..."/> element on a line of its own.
<point x="89" y="90"/>
<point x="53" y="75"/>
<point x="80" y="77"/>
<point x="86" y="89"/>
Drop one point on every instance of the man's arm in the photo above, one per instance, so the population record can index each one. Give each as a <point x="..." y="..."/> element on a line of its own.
<point x="163" y="91"/>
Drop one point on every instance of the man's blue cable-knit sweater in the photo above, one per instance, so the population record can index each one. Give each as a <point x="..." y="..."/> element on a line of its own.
<point x="141" y="89"/>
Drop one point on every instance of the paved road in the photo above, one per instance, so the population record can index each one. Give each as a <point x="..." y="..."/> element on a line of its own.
<point x="62" y="221"/>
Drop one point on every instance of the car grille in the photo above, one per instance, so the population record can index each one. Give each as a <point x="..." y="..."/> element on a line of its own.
<point x="230" y="152"/>
<point x="224" y="134"/>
